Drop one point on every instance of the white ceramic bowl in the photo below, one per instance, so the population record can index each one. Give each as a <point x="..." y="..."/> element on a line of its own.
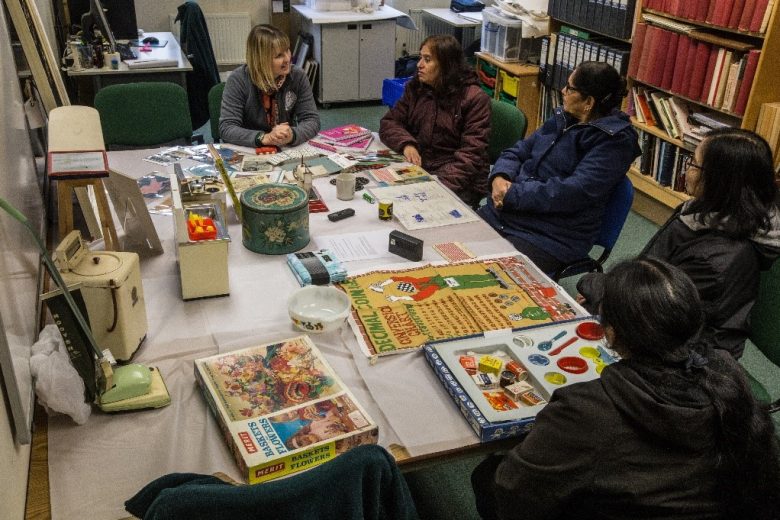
<point x="316" y="308"/>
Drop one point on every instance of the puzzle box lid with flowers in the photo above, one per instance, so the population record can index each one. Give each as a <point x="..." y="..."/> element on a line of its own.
<point x="282" y="408"/>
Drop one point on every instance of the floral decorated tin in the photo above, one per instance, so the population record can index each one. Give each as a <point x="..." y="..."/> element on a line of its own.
<point x="275" y="218"/>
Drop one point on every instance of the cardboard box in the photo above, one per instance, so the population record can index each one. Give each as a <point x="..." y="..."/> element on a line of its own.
<point x="281" y="408"/>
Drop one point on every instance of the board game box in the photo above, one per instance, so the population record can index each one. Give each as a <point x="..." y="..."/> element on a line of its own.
<point x="501" y="380"/>
<point x="401" y="310"/>
<point x="281" y="408"/>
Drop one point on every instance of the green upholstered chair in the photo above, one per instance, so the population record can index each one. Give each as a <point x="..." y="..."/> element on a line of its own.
<point x="765" y="328"/>
<point x="507" y="126"/>
<point x="215" y="106"/>
<point x="144" y="114"/>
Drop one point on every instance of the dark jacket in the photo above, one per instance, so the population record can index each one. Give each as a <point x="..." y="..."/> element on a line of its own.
<point x="196" y="44"/>
<point x="562" y="176"/>
<point x="242" y="113"/>
<point x="452" y="141"/>
<point x="362" y="484"/>
<point x="637" y="443"/>
<point x="726" y="272"/>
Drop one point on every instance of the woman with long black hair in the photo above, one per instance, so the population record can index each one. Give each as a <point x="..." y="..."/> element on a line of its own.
<point x="671" y="431"/>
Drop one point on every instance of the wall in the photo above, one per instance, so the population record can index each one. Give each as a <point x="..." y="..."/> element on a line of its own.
<point x="152" y="15"/>
<point x="15" y="463"/>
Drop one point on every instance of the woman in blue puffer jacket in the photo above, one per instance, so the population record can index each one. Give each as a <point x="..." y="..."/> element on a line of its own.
<point x="549" y="191"/>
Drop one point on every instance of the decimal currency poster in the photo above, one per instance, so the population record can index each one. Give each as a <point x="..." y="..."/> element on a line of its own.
<point x="400" y="310"/>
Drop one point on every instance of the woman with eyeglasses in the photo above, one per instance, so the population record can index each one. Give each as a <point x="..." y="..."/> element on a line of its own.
<point x="722" y="237"/>
<point x="669" y="432"/>
<point x="549" y="191"/>
<point x="268" y="101"/>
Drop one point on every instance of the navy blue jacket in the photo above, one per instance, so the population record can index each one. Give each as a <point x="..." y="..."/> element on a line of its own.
<point x="561" y="181"/>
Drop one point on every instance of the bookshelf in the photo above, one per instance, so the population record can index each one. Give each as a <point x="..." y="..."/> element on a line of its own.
<point x="514" y="83"/>
<point x="699" y="30"/>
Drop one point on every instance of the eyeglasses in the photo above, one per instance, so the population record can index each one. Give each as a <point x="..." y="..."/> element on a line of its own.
<point x="688" y="163"/>
<point x="570" y="88"/>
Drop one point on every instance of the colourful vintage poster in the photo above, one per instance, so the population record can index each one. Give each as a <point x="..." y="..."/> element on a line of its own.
<point x="395" y="311"/>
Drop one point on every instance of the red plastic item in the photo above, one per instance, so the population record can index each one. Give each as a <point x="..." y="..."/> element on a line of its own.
<point x="590" y="330"/>
<point x="573" y="365"/>
<point x="201" y="228"/>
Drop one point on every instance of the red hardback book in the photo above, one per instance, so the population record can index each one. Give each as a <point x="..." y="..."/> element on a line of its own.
<point x="701" y="60"/>
<point x="702" y="8"/>
<point x="636" y="49"/>
<point x="736" y="13"/>
<point x="649" y="46"/>
<point x="708" y="75"/>
<point x="747" y="81"/>
<point x="758" y="15"/>
<point x="656" y="72"/>
<point x="690" y="64"/>
<point x="681" y="62"/>
<point x="711" y="10"/>
<point x="722" y="12"/>
<point x="671" y="62"/>
<point x="644" y="107"/>
<point x="747" y="15"/>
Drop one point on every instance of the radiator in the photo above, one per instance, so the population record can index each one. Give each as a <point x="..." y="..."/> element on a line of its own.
<point x="426" y="26"/>
<point x="228" y="34"/>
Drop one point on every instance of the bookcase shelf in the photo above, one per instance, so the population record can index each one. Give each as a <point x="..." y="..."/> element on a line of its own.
<point x="657" y="132"/>
<point x="705" y="24"/>
<point x="763" y="90"/>
<point x="698" y="102"/>
<point x="647" y="185"/>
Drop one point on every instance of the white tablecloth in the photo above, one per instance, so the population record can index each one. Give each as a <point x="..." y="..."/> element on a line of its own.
<point x="94" y="468"/>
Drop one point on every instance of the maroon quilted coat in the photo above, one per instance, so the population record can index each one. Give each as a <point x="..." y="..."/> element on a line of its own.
<point x="452" y="141"/>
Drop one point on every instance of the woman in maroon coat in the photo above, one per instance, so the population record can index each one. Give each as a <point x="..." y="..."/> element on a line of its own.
<point x="442" y="121"/>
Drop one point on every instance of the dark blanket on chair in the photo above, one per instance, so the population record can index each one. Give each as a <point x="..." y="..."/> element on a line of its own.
<point x="363" y="483"/>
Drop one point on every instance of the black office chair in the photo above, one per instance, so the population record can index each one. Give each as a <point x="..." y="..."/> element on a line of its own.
<point x="215" y="108"/>
<point x="144" y="114"/>
<point x="615" y="216"/>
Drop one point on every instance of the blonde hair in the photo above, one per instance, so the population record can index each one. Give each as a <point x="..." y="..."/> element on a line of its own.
<point x="263" y="43"/>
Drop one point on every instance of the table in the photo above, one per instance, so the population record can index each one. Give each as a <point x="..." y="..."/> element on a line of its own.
<point x="94" y="79"/>
<point x="464" y="25"/>
<point x="95" y="467"/>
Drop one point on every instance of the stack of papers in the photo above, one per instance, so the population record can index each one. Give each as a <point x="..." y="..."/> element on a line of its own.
<point x="350" y="136"/>
<point x="151" y="64"/>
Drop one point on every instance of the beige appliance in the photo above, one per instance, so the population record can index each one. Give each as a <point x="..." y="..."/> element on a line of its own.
<point x="111" y="286"/>
<point x="203" y="264"/>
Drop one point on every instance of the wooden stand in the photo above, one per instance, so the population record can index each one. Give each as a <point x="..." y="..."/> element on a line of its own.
<point x="75" y="128"/>
<point x="65" y="209"/>
<point x="524" y="80"/>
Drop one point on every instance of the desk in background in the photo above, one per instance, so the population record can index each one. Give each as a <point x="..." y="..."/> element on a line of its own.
<point x="464" y="26"/>
<point x="89" y="81"/>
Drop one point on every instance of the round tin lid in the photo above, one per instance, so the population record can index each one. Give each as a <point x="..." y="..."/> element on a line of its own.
<point x="274" y="198"/>
<point x="98" y="264"/>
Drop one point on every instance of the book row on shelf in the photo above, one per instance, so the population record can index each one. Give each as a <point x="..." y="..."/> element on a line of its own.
<point x="710" y="74"/>
<point x="743" y="15"/>
<point x="663" y="161"/>
<point x="678" y="118"/>
<point x="613" y="18"/>
<point x="562" y="52"/>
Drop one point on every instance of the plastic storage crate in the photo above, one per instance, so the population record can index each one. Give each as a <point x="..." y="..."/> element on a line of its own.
<point x="392" y="90"/>
<point x="503" y="38"/>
